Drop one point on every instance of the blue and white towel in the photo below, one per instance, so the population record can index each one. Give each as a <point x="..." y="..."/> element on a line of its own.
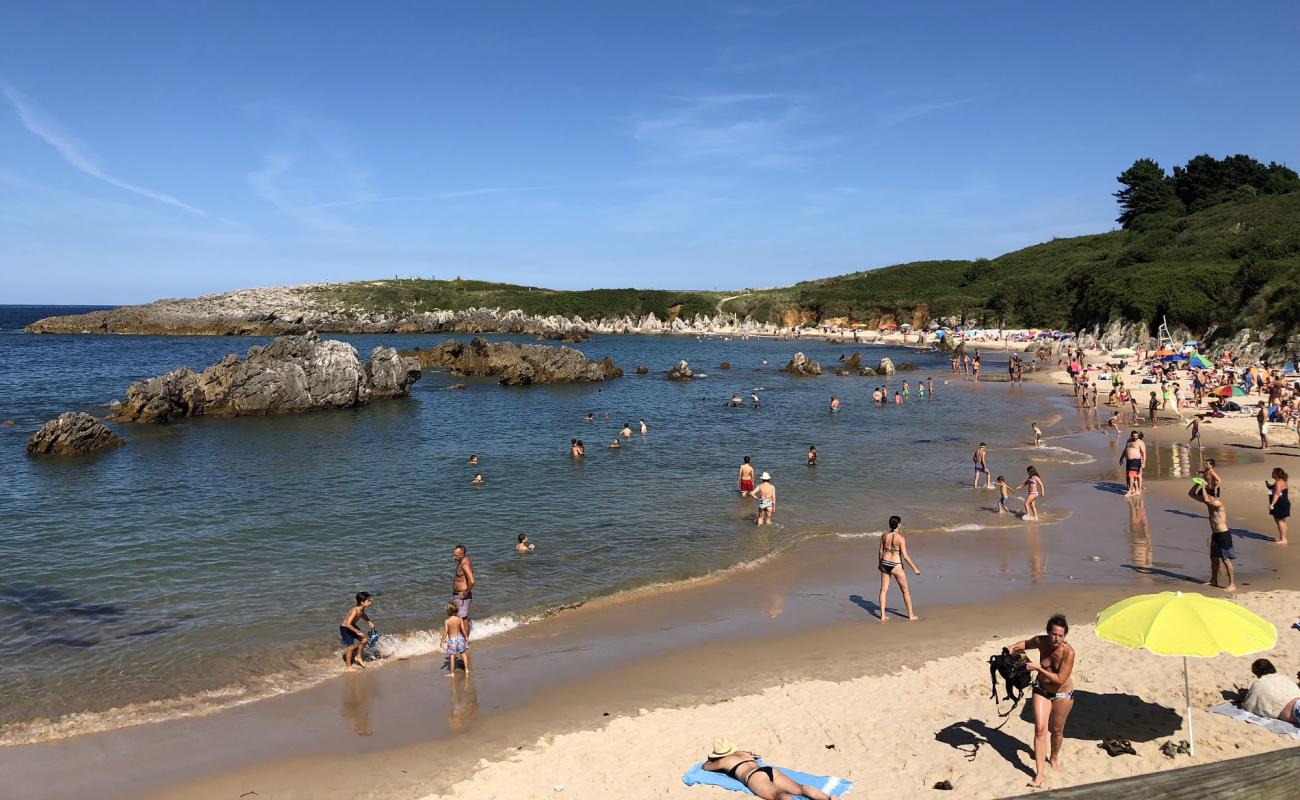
<point x="831" y="785"/>
<point x="1275" y="725"/>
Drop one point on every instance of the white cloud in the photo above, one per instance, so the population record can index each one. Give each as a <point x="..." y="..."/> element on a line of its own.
<point x="901" y="115"/>
<point x="757" y="129"/>
<point x="75" y="152"/>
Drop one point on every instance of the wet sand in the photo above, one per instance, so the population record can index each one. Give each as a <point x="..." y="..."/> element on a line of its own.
<point x="807" y="614"/>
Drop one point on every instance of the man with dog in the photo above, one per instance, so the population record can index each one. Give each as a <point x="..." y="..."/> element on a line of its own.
<point x="1053" y="694"/>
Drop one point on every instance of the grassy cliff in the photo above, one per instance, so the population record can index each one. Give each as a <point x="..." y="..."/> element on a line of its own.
<point x="415" y="295"/>
<point x="1234" y="264"/>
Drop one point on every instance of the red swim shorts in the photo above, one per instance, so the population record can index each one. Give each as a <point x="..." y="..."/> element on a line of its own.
<point x="747" y="485"/>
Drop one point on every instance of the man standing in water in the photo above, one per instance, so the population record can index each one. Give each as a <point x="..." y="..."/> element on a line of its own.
<point x="1053" y="694"/>
<point x="1132" y="461"/>
<point x="766" y="494"/>
<point x="1220" y="537"/>
<point x="981" y="467"/>
<point x="746" y="478"/>
<point x="462" y="585"/>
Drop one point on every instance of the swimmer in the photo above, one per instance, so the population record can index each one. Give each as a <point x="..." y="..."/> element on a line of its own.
<point x="920" y="389"/>
<point x="766" y="494"/>
<point x="473" y="459"/>
<point x="812" y="455"/>
<point x="615" y="445"/>
<point x="745" y="480"/>
<point x="753" y="398"/>
<point x="478" y="479"/>
<point x="627" y="431"/>
<point x="877" y="397"/>
<point x="524" y="546"/>
<point x="574" y="450"/>
<point x="835" y="404"/>
<point x="590" y="417"/>
<point x="735" y="401"/>
<point x="644" y="428"/>
<point x="929" y="386"/>
<point x="907" y="390"/>
<point x="1038" y="434"/>
<point x="898" y="399"/>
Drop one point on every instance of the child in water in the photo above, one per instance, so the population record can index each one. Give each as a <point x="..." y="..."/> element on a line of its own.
<point x="1038" y="434"/>
<point x="812" y="455"/>
<point x="898" y="399"/>
<point x="350" y="636"/>
<point x="453" y="634"/>
<point x="524" y="545"/>
<point x="1004" y="491"/>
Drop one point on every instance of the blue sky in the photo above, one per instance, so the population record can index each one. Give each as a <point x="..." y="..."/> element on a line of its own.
<point x="170" y="149"/>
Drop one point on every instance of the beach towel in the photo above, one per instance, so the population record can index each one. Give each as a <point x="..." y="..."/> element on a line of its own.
<point x="831" y="785"/>
<point x="1275" y="725"/>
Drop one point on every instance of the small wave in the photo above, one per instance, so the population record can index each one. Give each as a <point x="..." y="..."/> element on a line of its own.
<point x="862" y="535"/>
<point x="1055" y="454"/>
<point x="965" y="526"/>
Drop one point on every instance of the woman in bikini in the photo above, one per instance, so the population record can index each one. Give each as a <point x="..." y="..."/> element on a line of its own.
<point x="1036" y="489"/>
<point x="893" y="554"/>
<point x="1279" y="502"/>
<point x="1053" y="691"/>
<point x="768" y="783"/>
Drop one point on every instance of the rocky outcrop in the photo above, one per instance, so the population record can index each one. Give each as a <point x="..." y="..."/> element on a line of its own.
<point x="867" y="372"/>
<point x="291" y="310"/>
<point x="291" y="374"/>
<point x="73" y="433"/>
<point x="642" y="369"/>
<point x="905" y="367"/>
<point x="802" y="366"/>
<point x="725" y="365"/>
<point x="516" y="364"/>
<point x="885" y="367"/>
<point x="681" y="372"/>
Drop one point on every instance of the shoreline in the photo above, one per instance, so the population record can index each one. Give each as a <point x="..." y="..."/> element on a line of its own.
<point x="796" y="617"/>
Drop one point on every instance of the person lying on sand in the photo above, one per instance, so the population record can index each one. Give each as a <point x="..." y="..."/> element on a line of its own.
<point x="1272" y="695"/>
<point x="768" y="783"/>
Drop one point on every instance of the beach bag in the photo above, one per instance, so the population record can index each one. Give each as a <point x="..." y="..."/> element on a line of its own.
<point x="1013" y="672"/>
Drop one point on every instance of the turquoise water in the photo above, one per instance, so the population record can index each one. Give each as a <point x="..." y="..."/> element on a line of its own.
<point x="209" y="560"/>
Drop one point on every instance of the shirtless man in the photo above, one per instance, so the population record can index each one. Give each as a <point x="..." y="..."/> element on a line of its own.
<point x="766" y="494"/>
<point x="835" y="404"/>
<point x="745" y="480"/>
<point x="1220" y="536"/>
<point x="626" y="433"/>
<point x="1213" y="481"/>
<point x="1131" y="458"/>
<point x="981" y="467"/>
<point x="1142" y="469"/>
<point x="462" y="585"/>
<point x="1053" y="692"/>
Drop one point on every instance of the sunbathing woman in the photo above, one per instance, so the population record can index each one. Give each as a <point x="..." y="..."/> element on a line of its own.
<point x="768" y="783"/>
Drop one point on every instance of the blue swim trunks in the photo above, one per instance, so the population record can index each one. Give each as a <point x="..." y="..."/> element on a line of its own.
<point x="347" y="638"/>
<point x="456" y="645"/>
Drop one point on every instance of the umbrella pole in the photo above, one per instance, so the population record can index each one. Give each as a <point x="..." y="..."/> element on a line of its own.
<point x="1187" y="695"/>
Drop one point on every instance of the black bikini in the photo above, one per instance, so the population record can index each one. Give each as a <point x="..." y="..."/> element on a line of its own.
<point x="731" y="773"/>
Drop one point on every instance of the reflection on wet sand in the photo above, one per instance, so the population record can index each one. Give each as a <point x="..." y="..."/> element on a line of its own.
<point x="463" y="709"/>
<point x="358" y="692"/>
<point x="1037" y="559"/>
<point x="1139" y="533"/>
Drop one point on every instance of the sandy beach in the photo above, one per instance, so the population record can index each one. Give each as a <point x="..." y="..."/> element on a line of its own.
<point x="786" y="658"/>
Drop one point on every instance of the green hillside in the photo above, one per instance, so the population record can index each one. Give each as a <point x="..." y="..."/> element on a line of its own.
<point x="417" y="294"/>
<point x="1235" y="263"/>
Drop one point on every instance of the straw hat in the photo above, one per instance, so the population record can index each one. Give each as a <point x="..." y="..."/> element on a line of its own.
<point x="765" y="477"/>
<point x="722" y="748"/>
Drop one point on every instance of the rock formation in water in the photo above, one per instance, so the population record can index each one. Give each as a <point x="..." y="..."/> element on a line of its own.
<point x="725" y="365"/>
<point x="905" y="367"/>
<point x="516" y="364"/>
<point x="885" y="367"/>
<point x="291" y="374"/>
<point x="642" y="369"/>
<point x="681" y="372"/>
<point x="802" y="366"/>
<point x="71" y="434"/>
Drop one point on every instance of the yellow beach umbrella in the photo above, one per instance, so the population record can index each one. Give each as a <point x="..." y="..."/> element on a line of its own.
<point x="1178" y="624"/>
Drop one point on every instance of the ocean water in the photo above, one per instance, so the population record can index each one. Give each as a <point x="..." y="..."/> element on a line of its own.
<point x="210" y="561"/>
